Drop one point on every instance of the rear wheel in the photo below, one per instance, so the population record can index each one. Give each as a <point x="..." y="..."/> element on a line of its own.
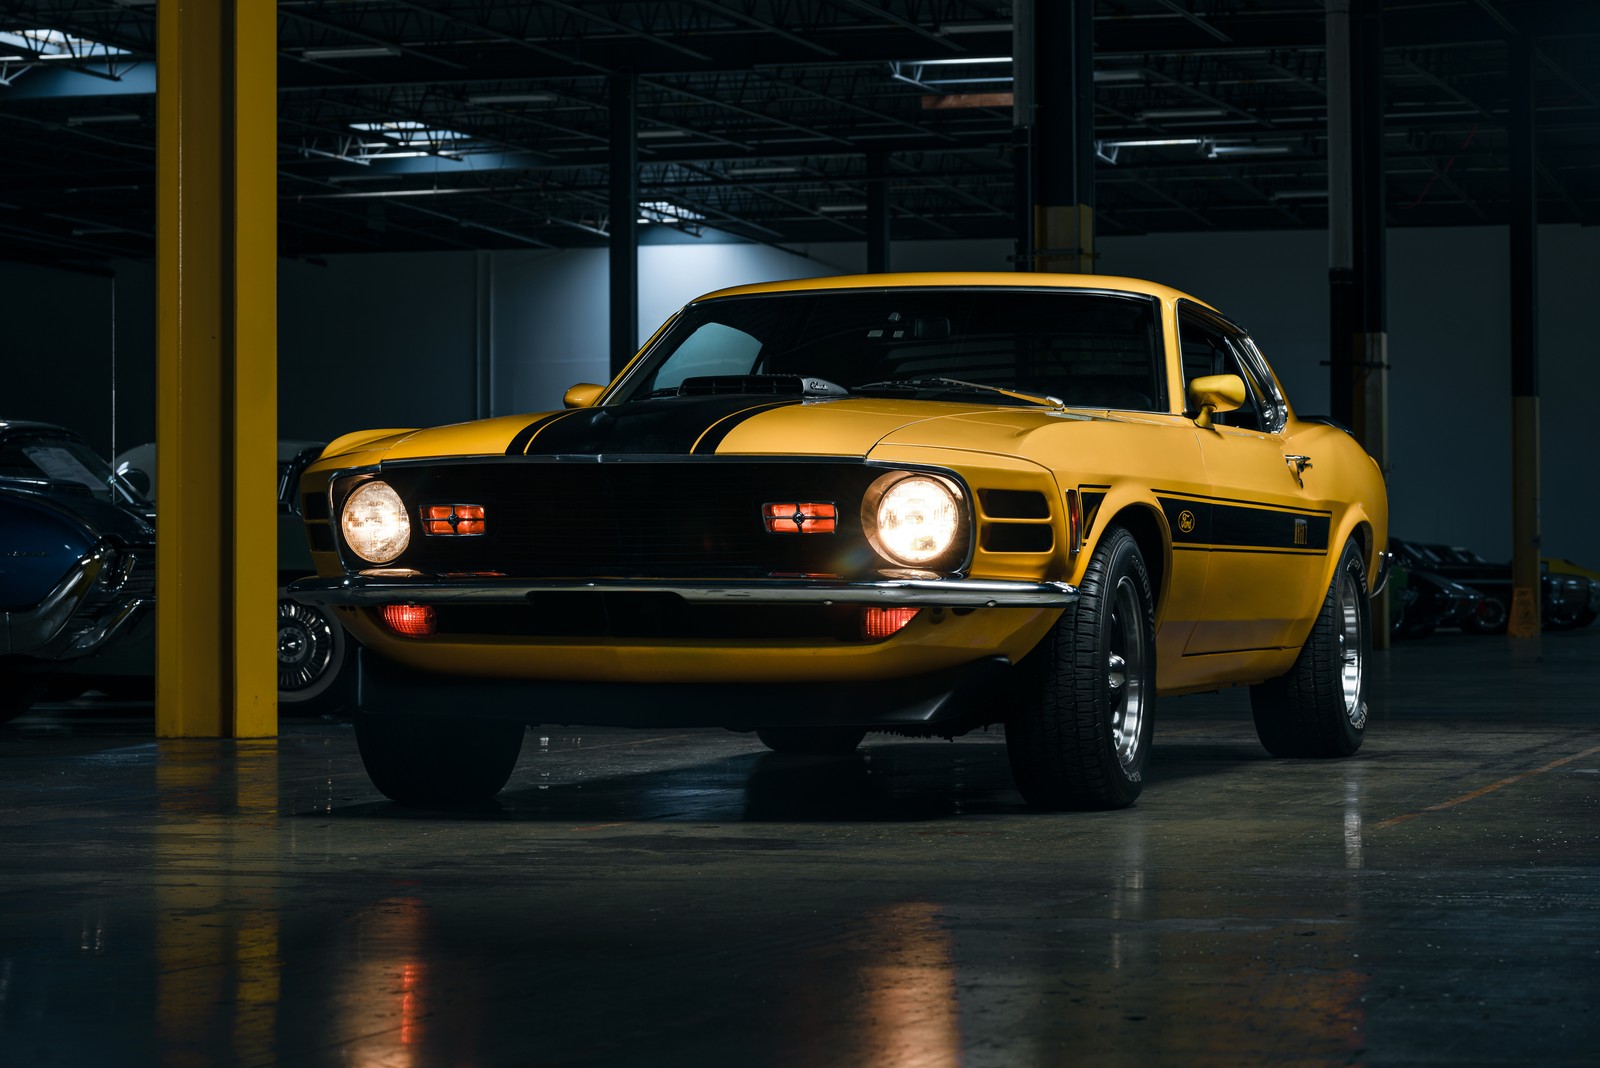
<point x="1488" y="616"/>
<point x="433" y="761"/>
<point x="1080" y="734"/>
<point x="811" y="741"/>
<point x="1319" y="707"/>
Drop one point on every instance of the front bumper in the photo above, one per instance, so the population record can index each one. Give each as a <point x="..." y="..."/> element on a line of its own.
<point x="939" y="702"/>
<point x="98" y="599"/>
<point x="357" y="590"/>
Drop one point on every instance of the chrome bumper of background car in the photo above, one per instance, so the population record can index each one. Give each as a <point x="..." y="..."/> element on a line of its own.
<point x="75" y="619"/>
<point x="949" y="593"/>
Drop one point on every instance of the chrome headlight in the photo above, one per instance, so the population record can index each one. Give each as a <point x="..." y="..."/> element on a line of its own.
<point x="918" y="520"/>
<point x="375" y="523"/>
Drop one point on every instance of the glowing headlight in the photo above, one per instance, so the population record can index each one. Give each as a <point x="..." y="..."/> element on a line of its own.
<point x="375" y="523"/>
<point x="917" y="520"/>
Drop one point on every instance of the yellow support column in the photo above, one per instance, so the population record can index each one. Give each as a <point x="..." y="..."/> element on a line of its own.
<point x="216" y="368"/>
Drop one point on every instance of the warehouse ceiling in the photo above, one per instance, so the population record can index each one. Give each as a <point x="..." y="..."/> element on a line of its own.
<point x="451" y="124"/>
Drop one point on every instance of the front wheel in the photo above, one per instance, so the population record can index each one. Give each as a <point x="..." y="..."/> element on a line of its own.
<point x="312" y="653"/>
<point x="437" y="761"/>
<point x="1319" y="707"/>
<point x="1080" y="734"/>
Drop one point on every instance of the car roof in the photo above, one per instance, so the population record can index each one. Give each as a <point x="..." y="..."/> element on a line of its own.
<point x="29" y="424"/>
<point x="963" y="280"/>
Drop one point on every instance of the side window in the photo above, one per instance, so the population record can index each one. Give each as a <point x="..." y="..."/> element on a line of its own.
<point x="1208" y="349"/>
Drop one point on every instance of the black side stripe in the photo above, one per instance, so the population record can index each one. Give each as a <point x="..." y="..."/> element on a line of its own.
<point x="722" y="428"/>
<point x="1237" y="527"/>
<point x="519" y="444"/>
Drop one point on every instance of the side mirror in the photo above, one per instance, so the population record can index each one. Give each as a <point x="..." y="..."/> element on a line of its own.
<point x="583" y="395"/>
<point x="1214" y="393"/>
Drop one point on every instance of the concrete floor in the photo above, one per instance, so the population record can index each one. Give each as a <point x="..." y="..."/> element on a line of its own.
<point x="689" y="899"/>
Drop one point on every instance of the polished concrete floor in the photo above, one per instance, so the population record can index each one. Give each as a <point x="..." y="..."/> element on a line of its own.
<point x="662" y="899"/>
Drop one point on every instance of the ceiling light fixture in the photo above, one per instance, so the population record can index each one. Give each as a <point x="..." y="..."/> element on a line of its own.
<point x="751" y="172"/>
<point x="992" y="26"/>
<point x="350" y="52"/>
<point x="1183" y="113"/>
<point x="511" y="98"/>
<point x="84" y="120"/>
<point x="657" y="135"/>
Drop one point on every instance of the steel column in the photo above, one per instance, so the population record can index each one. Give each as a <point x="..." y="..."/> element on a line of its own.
<point x="216" y="368"/>
<point x="1524" y="209"/>
<point x="1357" y="266"/>
<point x="624" y="228"/>
<point x="1055" y="45"/>
<point x="878" y="224"/>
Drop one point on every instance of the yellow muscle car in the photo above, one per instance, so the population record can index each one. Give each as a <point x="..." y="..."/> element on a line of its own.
<point x="914" y="503"/>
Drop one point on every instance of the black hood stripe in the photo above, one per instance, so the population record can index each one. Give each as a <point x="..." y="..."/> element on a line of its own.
<point x="707" y="443"/>
<point x="660" y="426"/>
<point x="519" y="444"/>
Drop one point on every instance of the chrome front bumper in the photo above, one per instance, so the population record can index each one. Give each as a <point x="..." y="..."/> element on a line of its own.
<point x="947" y="593"/>
<point x="71" y="622"/>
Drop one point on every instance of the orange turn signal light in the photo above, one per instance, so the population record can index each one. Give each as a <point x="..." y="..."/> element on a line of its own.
<point x="453" y="519"/>
<point x="885" y="622"/>
<point x="801" y="517"/>
<point x="410" y="620"/>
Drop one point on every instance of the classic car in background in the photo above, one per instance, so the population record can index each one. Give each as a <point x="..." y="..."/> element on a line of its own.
<point x="1422" y="601"/>
<point x="77" y="564"/>
<point x="906" y="503"/>
<point x="312" y="648"/>
<point x="1569" y="598"/>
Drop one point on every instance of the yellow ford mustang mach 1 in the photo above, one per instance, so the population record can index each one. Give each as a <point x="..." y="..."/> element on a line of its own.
<point x="915" y="503"/>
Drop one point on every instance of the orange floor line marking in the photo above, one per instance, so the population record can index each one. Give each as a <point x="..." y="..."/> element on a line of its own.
<point x="1491" y="788"/>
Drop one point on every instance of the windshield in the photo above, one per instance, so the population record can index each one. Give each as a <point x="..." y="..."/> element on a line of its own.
<point x="1092" y="350"/>
<point x="64" y="462"/>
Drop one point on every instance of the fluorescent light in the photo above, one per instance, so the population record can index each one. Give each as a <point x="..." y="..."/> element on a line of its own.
<point x="751" y="172"/>
<point x="840" y="209"/>
<point x="350" y="52"/>
<point x="960" y="61"/>
<point x="1119" y="75"/>
<point x="1153" y="142"/>
<point x="82" y="120"/>
<point x="13" y="59"/>
<point x="992" y="26"/>
<point x="1249" y="150"/>
<point x="1183" y="113"/>
<point x="1301" y="194"/>
<point x="511" y="98"/>
<point x="652" y="135"/>
<point x="397" y="155"/>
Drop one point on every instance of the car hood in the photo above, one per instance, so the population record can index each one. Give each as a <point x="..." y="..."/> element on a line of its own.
<point x="726" y="424"/>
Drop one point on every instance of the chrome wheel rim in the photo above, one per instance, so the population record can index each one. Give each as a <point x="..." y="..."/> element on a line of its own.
<point x="1351" y="648"/>
<point x="1125" y="671"/>
<point x="305" y="646"/>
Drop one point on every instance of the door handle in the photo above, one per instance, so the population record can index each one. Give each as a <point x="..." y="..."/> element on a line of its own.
<point x="1298" y="465"/>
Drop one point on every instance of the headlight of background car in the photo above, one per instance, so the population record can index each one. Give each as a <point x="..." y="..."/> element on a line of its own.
<point x="375" y="523"/>
<point x="917" y="520"/>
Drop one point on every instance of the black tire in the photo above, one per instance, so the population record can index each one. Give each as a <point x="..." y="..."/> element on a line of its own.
<point x="437" y="761"/>
<point x="18" y="693"/>
<point x="1489" y="616"/>
<point x="1080" y="730"/>
<point x="811" y="741"/>
<point x="1319" y="707"/>
<point x="313" y="650"/>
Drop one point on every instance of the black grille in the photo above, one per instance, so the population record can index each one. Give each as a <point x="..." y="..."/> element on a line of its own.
<point x="646" y="615"/>
<point x="555" y="518"/>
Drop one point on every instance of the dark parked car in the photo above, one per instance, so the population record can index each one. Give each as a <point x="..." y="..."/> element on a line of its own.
<point x="312" y="647"/>
<point x="77" y="562"/>
<point x="1567" y="600"/>
<point x="1430" y="600"/>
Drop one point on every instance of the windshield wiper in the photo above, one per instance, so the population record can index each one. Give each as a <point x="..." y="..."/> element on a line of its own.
<point x="921" y="383"/>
